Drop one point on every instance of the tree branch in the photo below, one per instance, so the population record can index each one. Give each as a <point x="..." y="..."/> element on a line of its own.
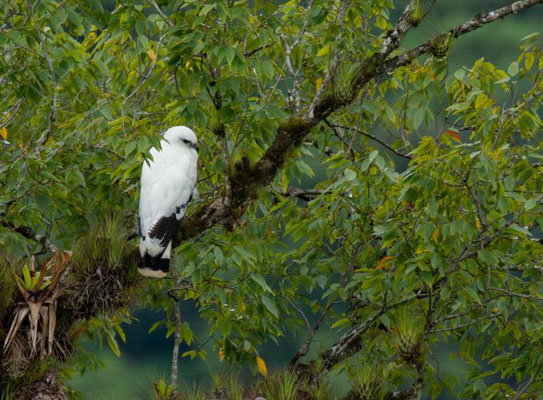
<point x="177" y="321"/>
<point x="161" y="13"/>
<point x="475" y="23"/>
<point x="396" y="34"/>
<point x="370" y="136"/>
<point x="247" y="180"/>
<point x="306" y="195"/>
<point x="30" y="233"/>
<point x="349" y="342"/>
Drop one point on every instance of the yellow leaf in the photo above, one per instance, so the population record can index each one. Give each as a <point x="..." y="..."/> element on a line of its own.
<point x="435" y="235"/>
<point x="6" y="117"/>
<point x="151" y="54"/>
<point x="381" y="23"/>
<point x="4" y="133"/>
<point x="324" y="51"/>
<point x="221" y="354"/>
<point x="529" y="61"/>
<point x="89" y="39"/>
<point x="318" y="83"/>
<point x="261" y="366"/>
<point x="480" y="100"/>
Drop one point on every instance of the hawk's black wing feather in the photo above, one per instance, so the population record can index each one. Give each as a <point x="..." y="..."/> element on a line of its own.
<point x="164" y="229"/>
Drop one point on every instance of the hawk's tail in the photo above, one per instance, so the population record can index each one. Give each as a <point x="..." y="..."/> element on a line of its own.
<point x="154" y="267"/>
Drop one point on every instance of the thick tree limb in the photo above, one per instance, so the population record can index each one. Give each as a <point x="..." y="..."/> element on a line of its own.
<point x="247" y="180"/>
<point x="395" y="36"/>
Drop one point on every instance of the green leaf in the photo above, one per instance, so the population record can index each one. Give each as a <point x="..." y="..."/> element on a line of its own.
<point x="323" y="51"/>
<point x="262" y="282"/>
<point x="487" y="257"/>
<point x="270" y="305"/>
<point x="113" y="345"/>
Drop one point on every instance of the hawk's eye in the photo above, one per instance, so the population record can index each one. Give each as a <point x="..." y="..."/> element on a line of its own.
<point x="186" y="141"/>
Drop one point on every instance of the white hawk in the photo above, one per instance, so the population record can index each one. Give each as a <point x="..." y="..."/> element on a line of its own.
<point x="167" y="184"/>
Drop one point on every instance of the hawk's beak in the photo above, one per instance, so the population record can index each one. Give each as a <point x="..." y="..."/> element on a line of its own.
<point x="196" y="147"/>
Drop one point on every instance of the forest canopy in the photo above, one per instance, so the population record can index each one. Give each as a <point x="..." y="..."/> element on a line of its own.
<point x="347" y="182"/>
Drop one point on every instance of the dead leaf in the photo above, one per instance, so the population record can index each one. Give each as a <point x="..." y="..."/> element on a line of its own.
<point x="453" y="134"/>
<point x="383" y="262"/>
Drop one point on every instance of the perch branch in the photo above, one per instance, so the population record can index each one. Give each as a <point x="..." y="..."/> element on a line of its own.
<point x="290" y="134"/>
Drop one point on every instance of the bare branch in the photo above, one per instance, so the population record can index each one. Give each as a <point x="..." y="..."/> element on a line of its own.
<point x="348" y="343"/>
<point x="332" y="65"/>
<point x="294" y="74"/>
<point x="515" y="294"/>
<point x="396" y="34"/>
<point x="370" y="136"/>
<point x="177" y="321"/>
<point x="306" y="195"/>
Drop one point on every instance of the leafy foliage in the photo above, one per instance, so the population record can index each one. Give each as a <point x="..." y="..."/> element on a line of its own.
<point x="386" y="197"/>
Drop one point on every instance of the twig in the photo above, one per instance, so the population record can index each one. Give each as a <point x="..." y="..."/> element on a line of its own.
<point x="306" y="195"/>
<point x="304" y="349"/>
<point x="161" y="13"/>
<point x="523" y="388"/>
<point x="370" y="136"/>
<point x="515" y="294"/>
<point x="343" y="346"/>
